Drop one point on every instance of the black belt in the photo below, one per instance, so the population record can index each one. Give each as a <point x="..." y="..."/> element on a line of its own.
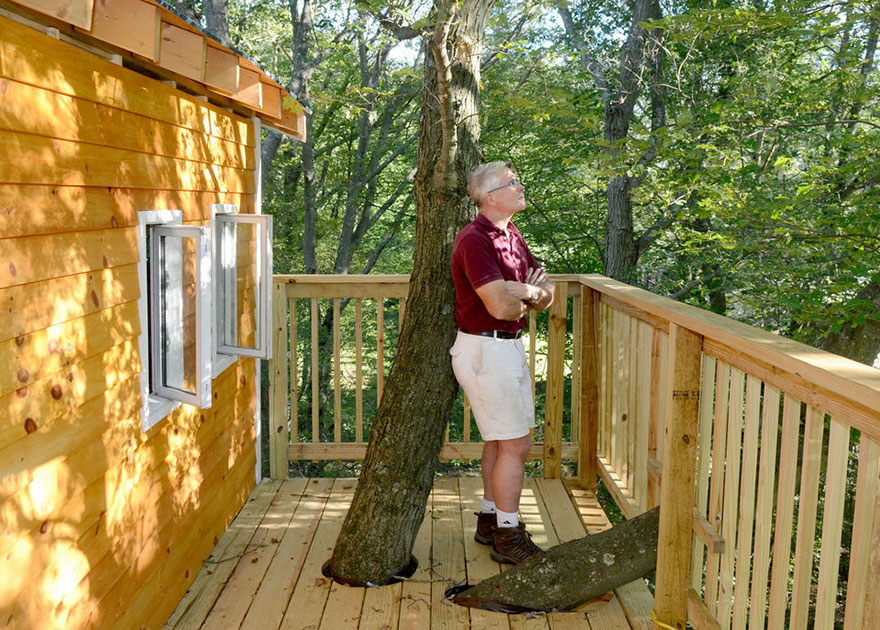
<point x="497" y="334"/>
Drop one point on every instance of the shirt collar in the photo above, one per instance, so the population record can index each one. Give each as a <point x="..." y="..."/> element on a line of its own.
<point x="486" y="224"/>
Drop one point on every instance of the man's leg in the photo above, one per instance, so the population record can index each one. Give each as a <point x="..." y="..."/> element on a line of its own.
<point x="507" y="472"/>
<point x="510" y="543"/>
<point x="487" y="465"/>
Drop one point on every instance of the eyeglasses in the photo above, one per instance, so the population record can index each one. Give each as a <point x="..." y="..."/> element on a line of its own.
<point x="512" y="184"/>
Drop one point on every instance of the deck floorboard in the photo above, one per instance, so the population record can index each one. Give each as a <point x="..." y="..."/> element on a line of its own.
<point x="270" y="577"/>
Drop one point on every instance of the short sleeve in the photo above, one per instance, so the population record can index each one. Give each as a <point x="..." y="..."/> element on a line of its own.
<point x="479" y="261"/>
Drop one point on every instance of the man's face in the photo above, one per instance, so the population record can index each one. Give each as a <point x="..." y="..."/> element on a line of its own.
<point x="507" y="195"/>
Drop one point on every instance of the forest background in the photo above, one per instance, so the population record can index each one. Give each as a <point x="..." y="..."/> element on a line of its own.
<point x="720" y="153"/>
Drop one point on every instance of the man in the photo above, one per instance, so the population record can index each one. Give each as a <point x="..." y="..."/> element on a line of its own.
<point x="497" y="282"/>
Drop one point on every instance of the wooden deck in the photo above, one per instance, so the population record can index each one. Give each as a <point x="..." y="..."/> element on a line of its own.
<point x="265" y="572"/>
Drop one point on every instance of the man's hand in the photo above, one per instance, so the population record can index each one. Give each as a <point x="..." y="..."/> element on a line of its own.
<point x="536" y="280"/>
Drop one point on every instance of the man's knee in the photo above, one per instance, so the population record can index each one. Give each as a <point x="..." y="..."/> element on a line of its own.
<point x="518" y="447"/>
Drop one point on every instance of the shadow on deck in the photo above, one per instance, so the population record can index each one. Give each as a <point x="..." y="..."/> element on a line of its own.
<point x="265" y="572"/>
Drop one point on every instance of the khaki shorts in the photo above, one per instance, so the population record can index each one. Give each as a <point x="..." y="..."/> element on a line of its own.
<point x="495" y="376"/>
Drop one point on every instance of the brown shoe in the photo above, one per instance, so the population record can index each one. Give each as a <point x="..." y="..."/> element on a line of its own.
<point x="512" y="545"/>
<point x="486" y="525"/>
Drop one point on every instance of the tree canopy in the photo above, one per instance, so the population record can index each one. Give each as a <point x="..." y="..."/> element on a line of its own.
<point x="747" y="159"/>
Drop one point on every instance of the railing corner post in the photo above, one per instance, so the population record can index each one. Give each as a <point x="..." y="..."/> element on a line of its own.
<point x="588" y="439"/>
<point x="278" y="386"/>
<point x="677" y="490"/>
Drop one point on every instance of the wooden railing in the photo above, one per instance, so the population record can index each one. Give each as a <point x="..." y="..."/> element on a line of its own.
<point x="751" y="434"/>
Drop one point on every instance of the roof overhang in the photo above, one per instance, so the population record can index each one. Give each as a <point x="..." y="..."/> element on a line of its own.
<point x="148" y="36"/>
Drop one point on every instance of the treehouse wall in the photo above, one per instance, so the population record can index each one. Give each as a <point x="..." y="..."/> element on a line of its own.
<point x="101" y="524"/>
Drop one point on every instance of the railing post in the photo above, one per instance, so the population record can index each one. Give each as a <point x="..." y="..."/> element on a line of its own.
<point x="555" y="383"/>
<point x="278" y="365"/>
<point x="588" y="439"/>
<point x="677" y="489"/>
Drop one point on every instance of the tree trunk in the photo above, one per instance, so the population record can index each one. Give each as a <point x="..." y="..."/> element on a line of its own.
<point x="377" y="537"/>
<point x="862" y="341"/>
<point x="573" y="573"/>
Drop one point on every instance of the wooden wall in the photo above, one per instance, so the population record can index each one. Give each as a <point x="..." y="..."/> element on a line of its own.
<point x="101" y="524"/>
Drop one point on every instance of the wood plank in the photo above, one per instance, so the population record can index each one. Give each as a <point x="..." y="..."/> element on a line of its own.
<point x="132" y="25"/>
<point x="577" y="341"/>
<point x="630" y="365"/>
<point x="447" y="553"/>
<point x="31" y="57"/>
<point x="788" y="461"/>
<point x="806" y="525"/>
<point x="555" y="384"/>
<point x="278" y="385"/>
<point x="642" y="415"/>
<point x="69" y="163"/>
<point x="241" y="586"/>
<point x="312" y="588"/>
<point x="40" y="258"/>
<point x="658" y="323"/>
<point x="588" y="508"/>
<point x="182" y="51"/>
<point x="588" y="435"/>
<point x="864" y="567"/>
<point x="46" y="209"/>
<point x="313" y="351"/>
<point x="637" y="603"/>
<point x="249" y="90"/>
<point x="79" y="120"/>
<point x="415" y="594"/>
<point x="380" y="349"/>
<point x="676" y="507"/>
<point x="37" y="355"/>
<point x="75" y="12"/>
<point x="657" y="415"/>
<point x="752" y="421"/>
<point x="716" y="486"/>
<point x="358" y="371"/>
<point x="274" y="593"/>
<point x="208" y="587"/>
<point x="381" y="610"/>
<point x="221" y="69"/>
<point x="480" y="565"/>
<point x="832" y="524"/>
<point x="294" y="376"/>
<point x="73" y="296"/>
<point x="704" y="446"/>
<point x="845" y="388"/>
<point x="708" y="535"/>
<point x="698" y="614"/>
<point x="732" y="465"/>
<point x="343" y="609"/>
<point x="337" y="380"/>
<point x="271" y="99"/>
<point x="764" y="512"/>
<point x="615" y="486"/>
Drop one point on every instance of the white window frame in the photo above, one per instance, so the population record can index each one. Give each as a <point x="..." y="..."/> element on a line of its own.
<point x="225" y="286"/>
<point x="201" y="396"/>
<point x="156" y="407"/>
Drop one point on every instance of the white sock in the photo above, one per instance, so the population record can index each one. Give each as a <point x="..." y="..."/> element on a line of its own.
<point x="507" y="519"/>
<point x="488" y="507"/>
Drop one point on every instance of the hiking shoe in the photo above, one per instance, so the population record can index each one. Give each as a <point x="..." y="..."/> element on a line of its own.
<point x="486" y="525"/>
<point x="512" y="545"/>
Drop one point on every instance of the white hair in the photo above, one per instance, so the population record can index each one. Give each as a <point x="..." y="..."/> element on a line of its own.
<point x="486" y="177"/>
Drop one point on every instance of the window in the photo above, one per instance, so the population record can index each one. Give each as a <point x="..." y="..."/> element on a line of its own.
<point x="242" y="283"/>
<point x="205" y="300"/>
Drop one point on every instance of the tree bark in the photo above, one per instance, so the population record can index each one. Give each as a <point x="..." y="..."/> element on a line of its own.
<point x="573" y="573"/>
<point x="379" y="531"/>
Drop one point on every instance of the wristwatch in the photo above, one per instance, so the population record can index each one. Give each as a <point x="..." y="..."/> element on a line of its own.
<point x="535" y="296"/>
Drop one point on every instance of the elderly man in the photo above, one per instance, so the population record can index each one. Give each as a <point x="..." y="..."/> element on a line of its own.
<point x="497" y="282"/>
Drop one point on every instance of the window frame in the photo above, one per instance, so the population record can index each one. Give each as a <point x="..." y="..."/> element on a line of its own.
<point x="227" y="214"/>
<point x="201" y="396"/>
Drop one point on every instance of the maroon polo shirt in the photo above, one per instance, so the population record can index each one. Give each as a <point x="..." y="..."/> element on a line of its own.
<point x="482" y="253"/>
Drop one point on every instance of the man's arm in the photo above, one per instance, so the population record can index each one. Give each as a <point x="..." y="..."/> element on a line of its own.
<point x="501" y="302"/>
<point x="536" y="282"/>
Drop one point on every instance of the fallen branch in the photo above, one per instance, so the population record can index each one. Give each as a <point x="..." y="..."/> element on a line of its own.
<point x="573" y="573"/>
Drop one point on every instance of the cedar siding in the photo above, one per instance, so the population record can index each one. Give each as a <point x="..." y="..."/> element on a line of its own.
<point x="103" y="525"/>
